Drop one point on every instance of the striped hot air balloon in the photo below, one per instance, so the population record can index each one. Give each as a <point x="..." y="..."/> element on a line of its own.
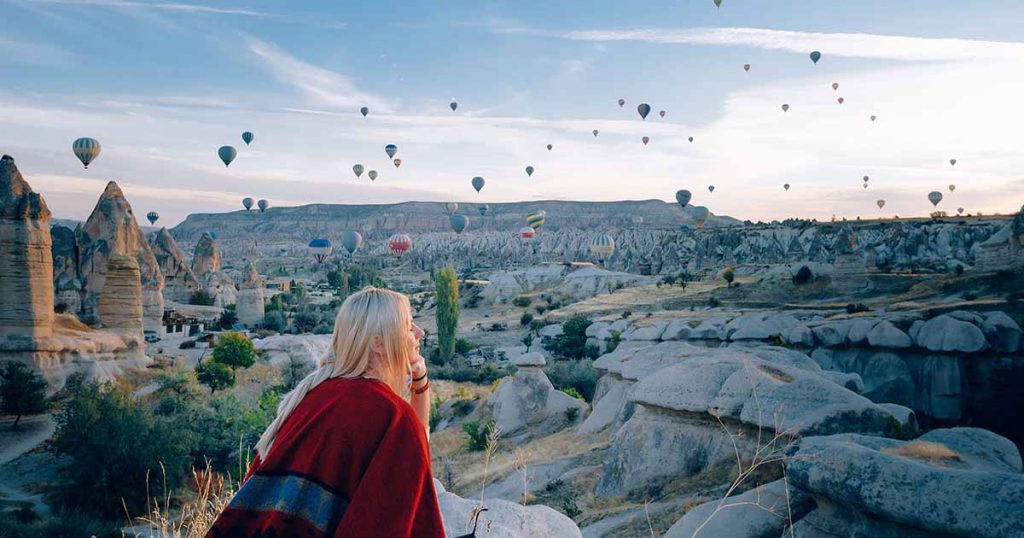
<point x="602" y="246"/>
<point x="320" y="249"/>
<point x="399" y="244"/>
<point x="526" y="233"/>
<point x="247" y="137"/>
<point x="535" y="220"/>
<point x="262" y="205"/>
<point x="86" y="149"/>
<point x="152" y="217"/>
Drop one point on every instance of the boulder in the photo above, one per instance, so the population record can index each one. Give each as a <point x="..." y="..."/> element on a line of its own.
<point x="761" y="512"/>
<point x="651" y="332"/>
<point x="527" y="405"/>
<point x="885" y="334"/>
<point x="533" y="358"/>
<point x="760" y="326"/>
<point x="799" y="335"/>
<point x="503" y="519"/>
<point x="1003" y="332"/>
<point x="831" y="333"/>
<point x="311" y="349"/>
<point x="946" y="333"/>
<point x="872" y="486"/>
<point x="551" y="331"/>
<point x="859" y="329"/>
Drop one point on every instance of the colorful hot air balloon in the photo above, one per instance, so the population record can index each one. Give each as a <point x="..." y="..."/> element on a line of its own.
<point x="152" y="217"/>
<point x="247" y="137"/>
<point x="351" y="240"/>
<point x="691" y="139"/>
<point x="227" y="154"/>
<point x="398" y="162"/>
<point x="358" y="170"/>
<point x="815" y="56"/>
<point x="453" y="105"/>
<point x="549" y="147"/>
<point x="399" y="244"/>
<point x="483" y="209"/>
<point x="372" y="174"/>
<point x="786" y="186"/>
<point x="391" y="150"/>
<point x="746" y="67"/>
<point x="840" y="100"/>
<point x="643" y="109"/>
<point x="526" y="233"/>
<point x="683" y="197"/>
<point x="952" y="187"/>
<point x="645" y="140"/>
<point x="622" y="102"/>
<point x="835" y="85"/>
<point x="595" y="132"/>
<point x="478" y="183"/>
<point x="952" y="162"/>
<point x="364" y="111"/>
<point x="86" y="149"/>
<point x="459" y="222"/>
<point x="535" y="220"/>
<point x="602" y="246"/>
<point x="700" y="216"/>
<point x="935" y="197"/>
<point x="451" y="207"/>
<point x="785" y="108"/>
<point x="262" y="205"/>
<point x="880" y="203"/>
<point x="320" y="249"/>
<point x="661" y="113"/>
<point x="529" y="170"/>
<point x="711" y="188"/>
<point x="247" y="203"/>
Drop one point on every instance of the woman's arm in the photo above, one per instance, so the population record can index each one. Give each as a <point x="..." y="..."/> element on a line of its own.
<point x="421" y="401"/>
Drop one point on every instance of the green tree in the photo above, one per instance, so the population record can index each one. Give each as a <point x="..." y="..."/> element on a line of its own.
<point x="338" y="280"/>
<point x="572" y="342"/>
<point x="446" y="294"/>
<point x="22" y="391"/>
<point x="729" y="275"/>
<point x="177" y="381"/>
<point x="235" y="351"/>
<point x="215" y="375"/>
<point x="228" y="318"/>
<point x="527" y="341"/>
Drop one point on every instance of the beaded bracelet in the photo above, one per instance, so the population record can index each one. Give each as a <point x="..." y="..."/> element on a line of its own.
<point x="422" y="389"/>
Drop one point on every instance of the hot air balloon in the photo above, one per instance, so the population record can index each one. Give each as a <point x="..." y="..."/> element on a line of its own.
<point x="661" y="113"/>
<point x="478" y="183"/>
<point x="398" y="162"/>
<point x="351" y="240"/>
<point x="282" y="251"/>
<point x="952" y="162"/>
<point x="320" y="249"/>
<point x="840" y="100"/>
<point x="880" y="203"/>
<point x="866" y="178"/>
<point x="873" y="118"/>
<point x="643" y="109"/>
<point x="453" y="106"/>
<point x="865" y="185"/>
<point x="700" y="216"/>
<point x="959" y="210"/>
<point x="595" y="132"/>
<point x="391" y="150"/>
<point x="683" y="197"/>
<point x="451" y="207"/>
<point x="399" y="244"/>
<point x="711" y="188"/>
<point x="786" y="186"/>
<point x="247" y="203"/>
<point x="459" y="222"/>
<point x="535" y="220"/>
<point x="638" y="220"/>
<point x="746" y="67"/>
<point x="247" y="137"/>
<point x="835" y="85"/>
<point x="364" y="111"/>
<point x="718" y="3"/>
<point x="549" y="147"/>
<point x="372" y="174"/>
<point x="645" y="140"/>
<point x="935" y="197"/>
<point x="86" y="149"/>
<point x="815" y="56"/>
<point x="785" y="108"/>
<point x="483" y="209"/>
<point x="622" y="102"/>
<point x="358" y="170"/>
<point x="227" y="154"/>
<point x="691" y="139"/>
<point x="213" y="235"/>
<point x="526" y="233"/>
<point x="152" y="217"/>
<point x="952" y="187"/>
<point x="602" y="246"/>
<point x="529" y="170"/>
<point x="262" y="205"/>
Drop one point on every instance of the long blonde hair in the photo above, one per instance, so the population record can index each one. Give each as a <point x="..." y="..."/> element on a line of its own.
<point x="365" y="315"/>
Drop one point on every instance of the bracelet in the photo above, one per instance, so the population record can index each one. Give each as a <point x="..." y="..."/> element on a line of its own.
<point x="422" y="389"/>
<point x="420" y="378"/>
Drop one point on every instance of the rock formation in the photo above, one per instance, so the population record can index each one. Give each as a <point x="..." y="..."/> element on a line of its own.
<point x="206" y="267"/>
<point x="503" y="519"/>
<point x="528" y="401"/>
<point x="1004" y="250"/>
<point x="67" y="285"/>
<point x="110" y="230"/>
<point x="120" y="304"/>
<point x="849" y="274"/>
<point x="26" y="264"/>
<point x="180" y="281"/>
<point x="250" y="306"/>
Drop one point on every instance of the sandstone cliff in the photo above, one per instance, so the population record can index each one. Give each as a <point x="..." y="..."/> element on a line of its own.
<point x="179" y="279"/>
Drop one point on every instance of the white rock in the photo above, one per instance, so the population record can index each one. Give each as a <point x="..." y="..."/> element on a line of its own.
<point x="651" y="332"/>
<point x="799" y="335"/>
<point x="885" y="334"/>
<point x="859" y="329"/>
<point x="946" y="333"/>
<point x="551" y="331"/>
<point x="503" y="519"/>
<point x="832" y="333"/>
<point x="1003" y="332"/>
<point x="533" y="358"/>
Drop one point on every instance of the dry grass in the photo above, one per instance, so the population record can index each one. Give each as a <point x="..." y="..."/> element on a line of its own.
<point x="195" y="517"/>
<point x="924" y="450"/>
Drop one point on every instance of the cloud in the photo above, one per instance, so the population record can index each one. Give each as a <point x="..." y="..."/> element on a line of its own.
<point x="854" y="45"/>
<point x="33" y="53"/>
<point x="161" y="6"/>
<point x="320" y="85"/>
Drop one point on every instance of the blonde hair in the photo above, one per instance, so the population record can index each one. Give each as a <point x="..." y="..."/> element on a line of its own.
<point x="367" y="314"/>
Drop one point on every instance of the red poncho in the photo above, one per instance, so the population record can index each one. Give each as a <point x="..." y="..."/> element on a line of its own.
<point x="351" y="460"/>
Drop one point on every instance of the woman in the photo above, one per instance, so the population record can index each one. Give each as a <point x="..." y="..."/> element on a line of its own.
<point x="347" y="455"/>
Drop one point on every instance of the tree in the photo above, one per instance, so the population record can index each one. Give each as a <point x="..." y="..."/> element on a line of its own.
<point x="235" y="351"/>
<point x="446" y="295"/>
<point x="228" y="319"/>
<point x="201" y="297"/>
<point x="22" y="391"/>
<point x="177" y="381"/>
<point x="338" y="280"/>
<point x="572" y="342"/>
<point x="215" y="375"/>
<point x="803" y="275"/>
<point x="728" y="275"/>
<point x="527" y="341"/>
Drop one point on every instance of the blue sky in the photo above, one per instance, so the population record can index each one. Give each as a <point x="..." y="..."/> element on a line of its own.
<point x="163" y="84"/>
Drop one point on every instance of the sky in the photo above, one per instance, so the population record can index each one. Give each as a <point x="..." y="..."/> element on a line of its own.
<point x="163" y="84"/>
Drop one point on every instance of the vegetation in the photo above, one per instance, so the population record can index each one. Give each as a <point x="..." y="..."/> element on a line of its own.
<point x="478" y="434"/>
<point x="215" y="375"/>
<point x="201" y="298"/>
<point x="803" y="276"/>
<point x="521" y="302"/>
<point x="527" y="341"/>
<point x="459" y="369"/>
<point x="22" y="391"/>
<point x="579" y="376"/>
<point x="235" y="351"/>
<point x="525" y="319"/>
<point x="728" y="274"/>
<point x="572" y="343"/>
<point x="446" y="295"/>
<point x="227" y="320"/>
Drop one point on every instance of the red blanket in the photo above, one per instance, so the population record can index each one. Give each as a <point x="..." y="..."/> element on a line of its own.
<point x="351" y="460"/>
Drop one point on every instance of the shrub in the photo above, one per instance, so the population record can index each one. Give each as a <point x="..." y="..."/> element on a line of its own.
<point x="463" y="346"/>
<point x="525" y="319"/>
<point x="292" y="373"/>
<point x="854" y="308"/>
<point x="446" y="295"/>
<point x="714" y="302"/>
<point x="728" y="275"/>
<point x="22" y="391"/>
<point x="572" y="413"/>
<point x="958" y="270"/>
<point x="458" y="369"/>
<point x="626" y="314"/>
<point x="227" y="320"/>
<point x="536" y="325"/>
<point x="178" y="381"/>
<point x="435" y="412"/>
<point x="571" y="391"/>
<point x="572" y="342"/>
<point x="215" y="375"/>
<point x="579" y="376"/>
<point x="235" y="351"/>
<point x="201" y="298"/>
<point x="540" y="308"/>
<point x="527" y="341"/>
<point x="276" y="321"/>
<point x="522" y="302"/>
<point x="477" y="434"/>
<point x="187" y="344"/>
<point x="803" y="275"/>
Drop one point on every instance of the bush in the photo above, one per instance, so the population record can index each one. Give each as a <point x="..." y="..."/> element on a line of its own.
<point x="215" y="375"/>
<point x="855" y="308"/>
<point x="728" y="275"/>
<point x="579" y="376"/>
<point x="572" y="342"/>
<point x="477" y="434"/>
<point x="235" y="351"/>
<point x="463" y="346"/>
<point x="458" y="369"/>
<point x="803" y="275"/>
<point x="187" y="344"/>
<point x="958" y="270"/>
<point x="113" y="443"/>
<point x="201" y="298"/>
<point x="527" y="341"/>
<point x="540" y="309"/>
<point x="227" y="320"/>
<point x="525" y="319"/>
<point x="276" y="321"/>
<point x="22" y="391"/>
<point x="522" y="302"/>
<point x="714" y="302"/>
<point x="446" y="296"/>
<point x="293" y="372"/>
<point x="571" y="391"/>
<point x="536" y="325"/>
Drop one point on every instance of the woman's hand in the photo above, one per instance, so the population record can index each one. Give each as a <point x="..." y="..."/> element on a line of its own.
<point x="417" y="366"/>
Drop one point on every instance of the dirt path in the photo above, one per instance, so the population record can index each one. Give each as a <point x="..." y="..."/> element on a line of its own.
<point x="32" y="432"/>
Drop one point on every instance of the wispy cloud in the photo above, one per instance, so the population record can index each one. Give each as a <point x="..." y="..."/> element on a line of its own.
<point x="162" y="6"/>
<point x="320" y="85"/>
<point x="855" y="45"/>
<point x="30" y="52"/>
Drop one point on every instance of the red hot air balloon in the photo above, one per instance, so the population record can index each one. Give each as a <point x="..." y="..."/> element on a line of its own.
<point x="399" y="243"/>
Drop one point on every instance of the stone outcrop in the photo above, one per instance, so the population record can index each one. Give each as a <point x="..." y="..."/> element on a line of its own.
<point x="120" y="305"/>
<point x="502" y="519"/>
<point x="179" y="280"/>
<point x="762" y="511"/>
<point x="250" y="306"/>
<point x="849" y="273"/>
<point x="26" y="264"/>
<point x="112" y="230"/>
<point x="308" y="348"/>
<point x="206" y="268"/>
<point x="67" y="285"/>
<point x="527" y="404"/>
<point x="1004" y="250"/>
<point x="205" y="257"/>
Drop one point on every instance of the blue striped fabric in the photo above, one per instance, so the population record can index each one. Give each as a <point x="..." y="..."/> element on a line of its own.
<point x="292" y="495"/>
